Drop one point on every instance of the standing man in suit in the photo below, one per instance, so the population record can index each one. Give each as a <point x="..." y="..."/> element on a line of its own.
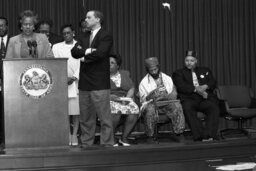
<point x="195" y="87"/>
<point x="3" y="46"/>
<point x="94" y="84"/>
<point x="4" y="39"/>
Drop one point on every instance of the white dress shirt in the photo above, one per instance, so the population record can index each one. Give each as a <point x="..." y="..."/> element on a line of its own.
<point x="5" y="40"/>
<point x="94" y="32"/>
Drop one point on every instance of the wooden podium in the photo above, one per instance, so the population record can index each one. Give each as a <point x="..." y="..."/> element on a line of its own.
<point x="35" y="103"/>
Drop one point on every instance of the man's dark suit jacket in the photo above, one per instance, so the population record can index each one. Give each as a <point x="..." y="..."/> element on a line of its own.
<point x="94" y="72"/>
<point x="1" y="96"/>
<point x="3" y="57"/>
<point x="184" y="82"/>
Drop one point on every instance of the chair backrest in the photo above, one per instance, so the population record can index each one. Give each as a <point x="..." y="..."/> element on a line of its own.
<point x="237" y="96"/>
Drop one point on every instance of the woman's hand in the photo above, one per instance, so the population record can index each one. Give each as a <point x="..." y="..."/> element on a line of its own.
<point x="114" y="97"/>
<point x="130" y="93"/>
<point x="71" y="80"/>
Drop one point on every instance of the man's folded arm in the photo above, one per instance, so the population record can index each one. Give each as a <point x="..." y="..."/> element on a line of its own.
<point x="101" y="51"/>
<point x="78" y="51"/>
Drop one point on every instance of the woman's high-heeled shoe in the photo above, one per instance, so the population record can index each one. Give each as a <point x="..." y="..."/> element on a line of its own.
<point x="74" y="140"/>
<point x="124" y="143"/>
<point x="70" y="140"/>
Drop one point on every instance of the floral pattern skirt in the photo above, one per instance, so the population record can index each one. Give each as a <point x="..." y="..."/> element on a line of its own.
<point x="124" y="107"/>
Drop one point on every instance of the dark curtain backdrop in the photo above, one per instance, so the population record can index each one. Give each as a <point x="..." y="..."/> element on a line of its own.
<point x="223" y="32"/>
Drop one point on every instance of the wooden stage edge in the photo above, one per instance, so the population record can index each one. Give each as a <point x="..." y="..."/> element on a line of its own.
<point x="187" y="156"/>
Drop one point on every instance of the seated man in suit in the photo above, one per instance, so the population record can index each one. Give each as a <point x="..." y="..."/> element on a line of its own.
<point x="195" y="86"/>
<point x="158" y="94"/>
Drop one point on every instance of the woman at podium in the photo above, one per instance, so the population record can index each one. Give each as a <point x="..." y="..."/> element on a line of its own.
<point x="28" y="44"/>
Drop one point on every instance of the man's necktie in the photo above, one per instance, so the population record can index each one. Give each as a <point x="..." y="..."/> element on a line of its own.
<point x="91" y="39"/>
<point x="2" y="47"/>
<point x="195" y="80"/>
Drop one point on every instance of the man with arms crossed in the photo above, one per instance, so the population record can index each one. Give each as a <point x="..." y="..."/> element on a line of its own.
<point x="94" y="83"/>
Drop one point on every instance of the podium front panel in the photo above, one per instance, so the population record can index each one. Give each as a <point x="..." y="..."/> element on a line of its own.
<point x="35" y="103"/>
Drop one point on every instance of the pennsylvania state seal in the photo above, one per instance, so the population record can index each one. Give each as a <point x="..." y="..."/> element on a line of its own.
<point x="36" y="81"/>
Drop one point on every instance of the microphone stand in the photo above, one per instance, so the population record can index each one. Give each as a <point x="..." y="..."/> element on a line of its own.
<point x="34" y="44"/>
<point x="29" y="43"/>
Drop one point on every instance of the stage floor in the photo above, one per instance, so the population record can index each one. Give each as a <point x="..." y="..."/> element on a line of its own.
<point x="173" y="153"/>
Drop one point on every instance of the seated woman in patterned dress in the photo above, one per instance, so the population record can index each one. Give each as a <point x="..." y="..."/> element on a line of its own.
<point x="121" y="99"/>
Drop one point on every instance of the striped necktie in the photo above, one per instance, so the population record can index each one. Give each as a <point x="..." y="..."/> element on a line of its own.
<point x="2" y="47"/>
<point x="91" y="38"/>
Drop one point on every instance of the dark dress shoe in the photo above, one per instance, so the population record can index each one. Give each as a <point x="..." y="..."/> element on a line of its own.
<point x="198" y="139"/>
<point x="88" y="147"/>
<point x="107" y="145"/>
<point x="207" y="140"/>
<point x="216" y="138"/>
<point x="152" y="140"/>
<point x="210" y="138"/>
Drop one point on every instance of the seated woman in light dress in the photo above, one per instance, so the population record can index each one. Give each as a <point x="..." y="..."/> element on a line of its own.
<point x="121" y="99"/>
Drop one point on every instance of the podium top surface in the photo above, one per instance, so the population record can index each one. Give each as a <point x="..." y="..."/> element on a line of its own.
<point x="31" y="59"/>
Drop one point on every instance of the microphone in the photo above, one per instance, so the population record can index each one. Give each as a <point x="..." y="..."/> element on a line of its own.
<point x="29" y="43"/>
<point x="34" y="44"/>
